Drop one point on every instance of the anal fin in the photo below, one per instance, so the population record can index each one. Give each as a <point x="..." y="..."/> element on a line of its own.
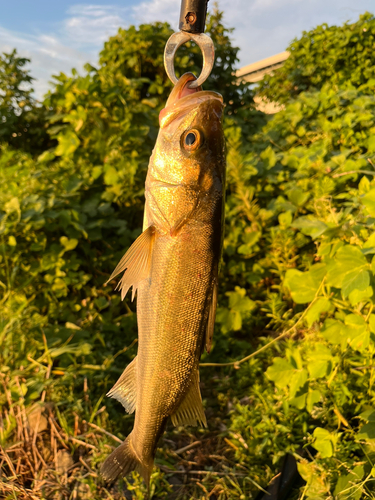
<point x="136" y="263"/>
<point x="125" y="389"/>
<point x="190" y="411"/>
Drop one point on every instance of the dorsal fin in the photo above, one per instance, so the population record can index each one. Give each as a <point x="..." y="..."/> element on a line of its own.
<point x="136" y="263"/>
<point x="190" y="411"/>
<point x="211" y="317"/>
<point x="125" y="389"/>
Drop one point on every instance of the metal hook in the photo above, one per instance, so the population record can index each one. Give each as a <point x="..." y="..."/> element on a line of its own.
<point x="206" y="45"/>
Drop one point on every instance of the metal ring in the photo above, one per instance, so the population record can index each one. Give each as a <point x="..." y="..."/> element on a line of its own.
<point x="206" y="45"/>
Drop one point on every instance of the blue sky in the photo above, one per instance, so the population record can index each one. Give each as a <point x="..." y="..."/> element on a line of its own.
<point x="58" y="35"/>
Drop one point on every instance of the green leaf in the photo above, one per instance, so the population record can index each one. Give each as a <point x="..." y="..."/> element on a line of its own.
<point x="323" y="442"/>
<point x="358" y="334"/>
<point x="68" y="143"/>
<point x="13" y="205"/>
<point x="293" y="355"/>
<point x="304" y="286"/>
<point x="320" y="360"/>
<point x="316" y="488"/>
<point x="310" y="226"/>
<point x="334" y="331"/>
<point x="224" y="317"/>
<point x="280" y="372"/>
<point x="46" y="156"/>
<point x="239" y="302"/>
<point x="111" y="176"/>
<point x="96" y="172"/>
<point x="285" y="219"/>
<point x="269" y="158"/>
<point x="348" y="270"/>
<point x="101" y="303"/>
<point x="239" y="307"/>
<point x="299" y="402"/>
<point x="297" y="196"/>
<point x="346" y="488"/>
<point x="297" y="381"/>
<point x="372" y="323"/>
<point x="357" y="296"/>
<point x="368" y="415"/>
<point x="371" y="144"/>
<point x="236" y="321"/>
<point x="369" y="201"/>
<point x="73" y="183"/>
<point x="321" y="305"/>
<point x="366" y="432"/>
<point x="313" y="397"/>
<point x="364" y="185"/>
<point x="324" y="249"/>
<point x="249" y="239"/>
<point x="68" y="244"/>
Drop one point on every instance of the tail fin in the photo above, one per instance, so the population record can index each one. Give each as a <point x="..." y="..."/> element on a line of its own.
<point x="122" y="461"/>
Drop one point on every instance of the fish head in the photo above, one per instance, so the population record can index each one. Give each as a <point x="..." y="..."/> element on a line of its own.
<point x="189" y="150"/>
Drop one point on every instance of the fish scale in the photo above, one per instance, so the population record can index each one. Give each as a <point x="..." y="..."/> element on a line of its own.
<point x="163" y="375"/>
<point x="173" y="266"/>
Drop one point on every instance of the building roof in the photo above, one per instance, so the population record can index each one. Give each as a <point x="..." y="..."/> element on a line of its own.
<point x="255" y="72"/>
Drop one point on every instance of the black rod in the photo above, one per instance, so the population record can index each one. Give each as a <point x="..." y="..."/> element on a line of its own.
<point x="193" y="16"/>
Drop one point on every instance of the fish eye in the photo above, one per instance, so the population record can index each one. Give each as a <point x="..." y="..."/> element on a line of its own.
<point x="191" y="139"/>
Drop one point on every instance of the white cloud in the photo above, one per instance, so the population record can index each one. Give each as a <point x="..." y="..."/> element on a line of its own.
<point x="158" y="10"/>
<point x="93" y="24"/>
<point x="77" y="40"/>
<point x="48" y="55"/>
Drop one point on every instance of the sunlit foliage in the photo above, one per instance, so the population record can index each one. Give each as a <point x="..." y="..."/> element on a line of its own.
<point x="298" y="258"/>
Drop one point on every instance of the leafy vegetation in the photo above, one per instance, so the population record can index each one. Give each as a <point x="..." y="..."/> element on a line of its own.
<point x="341" y="57"/>
<point x="297" y="281"/>
<point x="22" y="120"/>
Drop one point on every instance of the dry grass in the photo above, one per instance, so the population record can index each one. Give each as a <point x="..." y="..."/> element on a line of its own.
<point x="43" y="461"/>
<point x="40" y="460"/>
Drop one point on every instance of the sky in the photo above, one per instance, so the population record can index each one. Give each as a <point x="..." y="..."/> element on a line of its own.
<point x="58" y="35"/>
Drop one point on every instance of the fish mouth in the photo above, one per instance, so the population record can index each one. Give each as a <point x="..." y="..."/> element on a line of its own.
<point x="182" y="99"/>
<point x="181" y="89"/>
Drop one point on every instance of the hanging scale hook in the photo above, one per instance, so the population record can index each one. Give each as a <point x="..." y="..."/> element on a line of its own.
<point x="192" y="22"/>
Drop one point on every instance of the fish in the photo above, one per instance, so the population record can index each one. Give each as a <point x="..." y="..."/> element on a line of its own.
<point x="173" y="268"/>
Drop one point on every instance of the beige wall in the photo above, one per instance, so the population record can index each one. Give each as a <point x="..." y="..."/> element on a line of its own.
<point x="255" y="72"/>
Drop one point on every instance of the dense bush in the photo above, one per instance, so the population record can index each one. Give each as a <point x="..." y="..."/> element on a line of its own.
<point x="308" y="259"/>
<point x="22" y="118"/>
<point x="340" y="57"/>
<point x="298" y="261"/>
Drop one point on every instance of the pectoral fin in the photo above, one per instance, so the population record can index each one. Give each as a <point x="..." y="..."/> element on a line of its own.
<point x="125" y="389"/>
<point x="190" y="411"/>
<point x="211" y="317"/>
<point x="136" y="263"/>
